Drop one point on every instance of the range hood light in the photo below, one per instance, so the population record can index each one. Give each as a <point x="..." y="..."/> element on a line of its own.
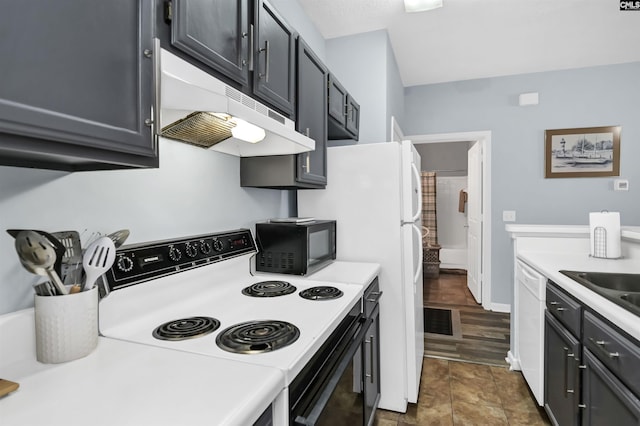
<point x="246" y="131"/>
<point x="411" y="6"/>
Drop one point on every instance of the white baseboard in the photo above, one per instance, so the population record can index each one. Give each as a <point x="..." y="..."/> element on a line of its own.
<point x="501" y="307"/>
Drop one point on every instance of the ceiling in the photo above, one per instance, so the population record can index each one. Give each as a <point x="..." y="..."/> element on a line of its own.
<point x="468" y="39"/>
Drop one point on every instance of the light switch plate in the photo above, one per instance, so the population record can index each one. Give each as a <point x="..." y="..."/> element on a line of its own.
<point x="509" y="216"/>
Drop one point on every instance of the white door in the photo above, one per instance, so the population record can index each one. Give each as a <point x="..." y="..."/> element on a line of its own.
<point x="474" y="218"/>
<point x="412" y="267"/>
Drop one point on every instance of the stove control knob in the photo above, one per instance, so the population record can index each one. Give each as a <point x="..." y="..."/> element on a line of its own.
<point x="124" y="264"/>
<point x="174" y="254"/>
<point x="218" y="245"/>
<point x="191" y="250"/>
<point x="205" y="247"/>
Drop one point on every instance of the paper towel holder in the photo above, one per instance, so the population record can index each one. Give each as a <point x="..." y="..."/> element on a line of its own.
<point x="599" y="242"/>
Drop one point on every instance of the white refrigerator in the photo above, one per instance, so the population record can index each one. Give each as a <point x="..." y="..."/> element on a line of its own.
<point x="374" y="194"/>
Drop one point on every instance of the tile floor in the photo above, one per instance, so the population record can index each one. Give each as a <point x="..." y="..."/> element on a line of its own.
<point x="466" y="393"/>
<point x="462" y="393"/>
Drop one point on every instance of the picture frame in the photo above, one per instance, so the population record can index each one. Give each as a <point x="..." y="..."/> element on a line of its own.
<point x="582" y="152"/>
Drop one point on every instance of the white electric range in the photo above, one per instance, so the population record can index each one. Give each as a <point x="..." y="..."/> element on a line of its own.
<point x="161" y="293"/>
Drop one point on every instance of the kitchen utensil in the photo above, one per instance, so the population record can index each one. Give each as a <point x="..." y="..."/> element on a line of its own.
<point x="71" y="260"/>
<point x="57" y="246"/>
<point x="7" y="386"/>
<point x="44" y="289"/>
<point x="119" y="237"/>
<point x="97" y="260"/>
<point x="38" y="256"/>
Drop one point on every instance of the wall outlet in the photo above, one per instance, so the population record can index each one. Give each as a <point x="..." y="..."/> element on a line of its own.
<point x="509" y="216"/>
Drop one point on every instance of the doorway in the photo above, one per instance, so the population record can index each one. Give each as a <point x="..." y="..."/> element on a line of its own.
<point x="478" y="254"/>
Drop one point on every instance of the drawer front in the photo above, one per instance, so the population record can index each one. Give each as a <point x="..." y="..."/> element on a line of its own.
<point x="371" y="296"/>
<point x="564" y="308"/>
<point x="619" y="354"/>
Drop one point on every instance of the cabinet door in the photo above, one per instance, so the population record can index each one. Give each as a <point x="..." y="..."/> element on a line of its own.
<point x="561" y="382"/>
<point x="274" y="59"/>
<point x="77" y="87"/>
<point x="337" y="103"/>
<point x="371" y="363"/>
<point x="353" y="117"/>
<point x="606" y="399"/>
<point x="311" y="115"/>
<point x="216" y="33"/>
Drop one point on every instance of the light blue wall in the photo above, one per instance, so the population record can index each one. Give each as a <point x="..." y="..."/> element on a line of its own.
<point x="295" y="16"/>
<point x="395" y="91"/>
<point x="598" y="96"/>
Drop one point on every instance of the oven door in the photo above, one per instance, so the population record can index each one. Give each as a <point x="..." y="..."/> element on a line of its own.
<point x="329" y="391"/>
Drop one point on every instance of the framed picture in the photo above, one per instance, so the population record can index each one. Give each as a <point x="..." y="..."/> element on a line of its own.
<point x="584" y="152"/>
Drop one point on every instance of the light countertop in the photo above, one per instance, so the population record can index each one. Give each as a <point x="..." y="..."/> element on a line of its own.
<point x="549" y="263"/>
<point x="124" y="383"/>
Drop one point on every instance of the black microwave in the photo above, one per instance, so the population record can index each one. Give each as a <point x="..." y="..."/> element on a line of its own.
<point x="294" y="246"/>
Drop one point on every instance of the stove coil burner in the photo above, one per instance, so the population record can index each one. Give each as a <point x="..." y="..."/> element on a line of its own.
<point x="255" y="337"/>
<point x="321" y="293"/>
<point x="186" y="328"/>
<point x="269" y="289"/>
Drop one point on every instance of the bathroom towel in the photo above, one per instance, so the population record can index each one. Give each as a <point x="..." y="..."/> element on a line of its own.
<point x="462" y="200"/>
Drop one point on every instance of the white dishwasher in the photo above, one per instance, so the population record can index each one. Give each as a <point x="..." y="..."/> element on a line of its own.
<point x="530" y="327"/>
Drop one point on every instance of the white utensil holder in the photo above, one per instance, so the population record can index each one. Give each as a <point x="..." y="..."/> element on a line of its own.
<point x="66" y="326"/>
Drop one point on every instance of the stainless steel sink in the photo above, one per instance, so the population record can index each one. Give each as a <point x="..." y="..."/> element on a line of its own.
<point x="621" y="289"/>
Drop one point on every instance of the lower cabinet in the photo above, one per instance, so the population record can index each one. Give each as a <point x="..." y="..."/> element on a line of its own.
<point x="371" y="363"/>
<point x="606" y="399"/>
<point x="591" y="367"/>
<point x="561" y="355"/>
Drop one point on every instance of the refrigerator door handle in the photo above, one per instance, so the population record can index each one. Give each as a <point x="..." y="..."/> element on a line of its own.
<point x="417" y="272"/>
<point x="416" y="176"/>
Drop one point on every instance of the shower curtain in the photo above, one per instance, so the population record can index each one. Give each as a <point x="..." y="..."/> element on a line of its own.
<point x="429" y="221"/>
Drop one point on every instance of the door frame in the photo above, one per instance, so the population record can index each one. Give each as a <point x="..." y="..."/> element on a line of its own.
<point x="484" y="138"/>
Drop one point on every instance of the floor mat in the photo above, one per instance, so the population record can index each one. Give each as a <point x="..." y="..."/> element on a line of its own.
<point x="438" y="321"/>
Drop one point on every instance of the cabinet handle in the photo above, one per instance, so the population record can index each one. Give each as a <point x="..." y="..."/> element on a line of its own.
<point x="377" y="295"/>
<point x="308" y="160"/>
<point x="307" y="132"/>
<point x="251" y="47"/>
<point x="554" y="303"/>
<point x="560" y="309"/>
<point x="346" y="109"/>
<point x="371" y="343"/>
<point x="266" y="62"/>
<point x="600" y="344"/>
<point x="566" y="370"/>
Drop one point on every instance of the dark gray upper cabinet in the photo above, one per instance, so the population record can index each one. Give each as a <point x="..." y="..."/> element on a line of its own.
<point x="243" y="42"/>
<point x="216" y="33"/>
<point x="311" y="116"/>
<point x="274" y="58"/>
<point x="309" y="169"/>
<point x="343" y="111"/>
<point x="77" y="84"/>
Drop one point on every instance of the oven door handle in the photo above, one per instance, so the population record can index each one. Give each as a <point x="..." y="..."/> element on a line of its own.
<point x="322" y="400"/>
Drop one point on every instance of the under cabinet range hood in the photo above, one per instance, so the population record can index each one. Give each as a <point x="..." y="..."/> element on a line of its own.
<point x="201" y="110"/>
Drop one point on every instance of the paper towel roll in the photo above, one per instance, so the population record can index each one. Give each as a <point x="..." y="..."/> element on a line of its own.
<point x="604" y="229"/>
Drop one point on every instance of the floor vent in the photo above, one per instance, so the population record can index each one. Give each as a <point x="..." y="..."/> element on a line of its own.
<point x="438" y="321"/>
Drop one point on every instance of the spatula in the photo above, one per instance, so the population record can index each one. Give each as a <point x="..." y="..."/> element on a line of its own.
<point x="97" y="260"/>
